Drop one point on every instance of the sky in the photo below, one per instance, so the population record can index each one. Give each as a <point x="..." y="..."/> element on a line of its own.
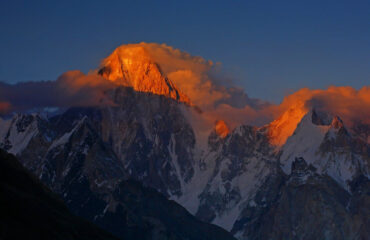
<point x="270" y="48"/>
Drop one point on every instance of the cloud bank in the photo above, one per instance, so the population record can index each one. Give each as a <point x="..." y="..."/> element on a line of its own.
<point x="72" y="88"/>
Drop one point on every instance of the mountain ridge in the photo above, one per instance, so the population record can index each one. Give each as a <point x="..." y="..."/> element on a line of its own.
<point x="148" y="137"/>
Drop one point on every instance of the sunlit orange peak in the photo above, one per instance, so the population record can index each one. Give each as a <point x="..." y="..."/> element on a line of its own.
<point x="132" y="66"/>
<point x="280" y="129"/>
<point x="222" y="129"/>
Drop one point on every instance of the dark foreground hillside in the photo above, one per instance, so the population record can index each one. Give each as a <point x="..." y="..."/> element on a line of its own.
<point x="30" y="211"/>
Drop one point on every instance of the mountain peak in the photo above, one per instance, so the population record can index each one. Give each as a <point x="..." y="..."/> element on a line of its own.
<point x="222" y="129"/>
<point x="132" y="66"/>
<point x="336" y="122"/>
<point x="321" y="118"/>
<point x="280" y="129"/>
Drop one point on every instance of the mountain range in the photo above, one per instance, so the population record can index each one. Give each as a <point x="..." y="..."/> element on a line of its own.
<point x="127" y="166"/>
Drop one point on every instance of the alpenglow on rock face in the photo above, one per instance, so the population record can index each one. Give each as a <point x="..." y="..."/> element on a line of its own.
<point x="132" y="66"/>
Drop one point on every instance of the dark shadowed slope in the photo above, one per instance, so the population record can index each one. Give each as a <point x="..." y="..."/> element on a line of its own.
<point x="30" y="211"/>
<point x="144" y="213"/>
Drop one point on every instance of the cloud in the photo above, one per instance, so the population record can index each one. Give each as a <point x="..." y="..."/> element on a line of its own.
<point x="198" y="78"/>
<point x="346" y="102"/>
<point x="72" y="88"/>
<point x="198" y="88"/>
<point x="351" y="105"/>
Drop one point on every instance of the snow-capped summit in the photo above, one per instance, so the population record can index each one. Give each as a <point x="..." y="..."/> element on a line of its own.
<point x="323" y="141"/>
<point x="132" y="66"/>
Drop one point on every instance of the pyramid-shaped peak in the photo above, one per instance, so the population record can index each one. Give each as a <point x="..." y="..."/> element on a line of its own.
<point x="132" y="66"/>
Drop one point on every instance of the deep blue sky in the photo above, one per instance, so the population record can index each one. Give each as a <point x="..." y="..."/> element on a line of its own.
<point x="269" y="47"/>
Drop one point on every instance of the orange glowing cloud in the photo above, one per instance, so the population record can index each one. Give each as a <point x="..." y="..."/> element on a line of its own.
<point x="201" y="92"/>
<point x="72" y="88"/>
<point x="349" y="104"/>
<point x="83" y="89"/>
